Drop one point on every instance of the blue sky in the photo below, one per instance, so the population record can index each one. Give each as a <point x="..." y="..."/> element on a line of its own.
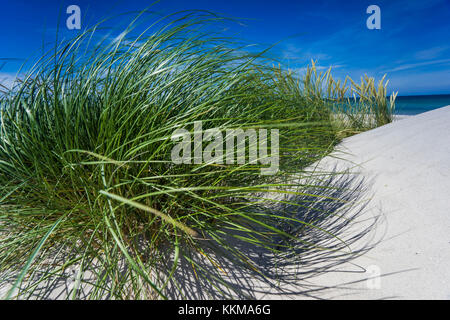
<point x="412" y="47"/>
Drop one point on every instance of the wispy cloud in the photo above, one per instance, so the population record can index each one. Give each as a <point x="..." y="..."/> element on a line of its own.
<point x="431" y="53"/>
<point x="7" y="79"/>
<point x="417" y="65"/>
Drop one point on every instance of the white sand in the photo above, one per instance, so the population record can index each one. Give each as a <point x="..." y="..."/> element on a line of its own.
<point x="402" y="117"/>
<point x="407" y="164"/>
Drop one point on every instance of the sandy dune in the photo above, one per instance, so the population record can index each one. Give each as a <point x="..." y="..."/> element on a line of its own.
<point x="406" y="167"/>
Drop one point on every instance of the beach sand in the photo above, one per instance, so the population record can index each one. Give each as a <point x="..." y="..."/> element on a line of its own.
<point x="398" y="117"/>
<point x="405" y="167"/>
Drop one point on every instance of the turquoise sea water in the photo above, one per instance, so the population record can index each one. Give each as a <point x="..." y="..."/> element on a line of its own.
<point x="411" y="105"/>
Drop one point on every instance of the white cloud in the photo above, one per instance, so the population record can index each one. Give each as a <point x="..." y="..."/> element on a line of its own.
<point x="430" y="53"/>
<point x="416" y="65"/>
<point x="7" y="80"/>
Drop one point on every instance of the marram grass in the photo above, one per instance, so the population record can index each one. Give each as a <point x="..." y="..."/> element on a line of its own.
<point x="86" y="178"/>
<point x="356" y="107"/>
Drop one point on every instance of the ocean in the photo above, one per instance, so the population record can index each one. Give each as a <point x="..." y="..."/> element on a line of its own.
<point x="411" y="105"/>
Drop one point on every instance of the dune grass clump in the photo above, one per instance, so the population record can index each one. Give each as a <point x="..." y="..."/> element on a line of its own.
<point x="86" y="177"/>
<point x="352" y="107"/>
<point x="370" y="107"/>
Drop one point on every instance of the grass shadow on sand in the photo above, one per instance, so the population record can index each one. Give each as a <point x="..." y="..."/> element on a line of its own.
<point x="348" y="235"/>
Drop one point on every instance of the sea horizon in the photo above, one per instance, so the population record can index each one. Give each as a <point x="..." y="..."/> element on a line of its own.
<point x="416" y="104"/>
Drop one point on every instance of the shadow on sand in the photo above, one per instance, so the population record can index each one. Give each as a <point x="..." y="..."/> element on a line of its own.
<point x="337" y="206"/>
